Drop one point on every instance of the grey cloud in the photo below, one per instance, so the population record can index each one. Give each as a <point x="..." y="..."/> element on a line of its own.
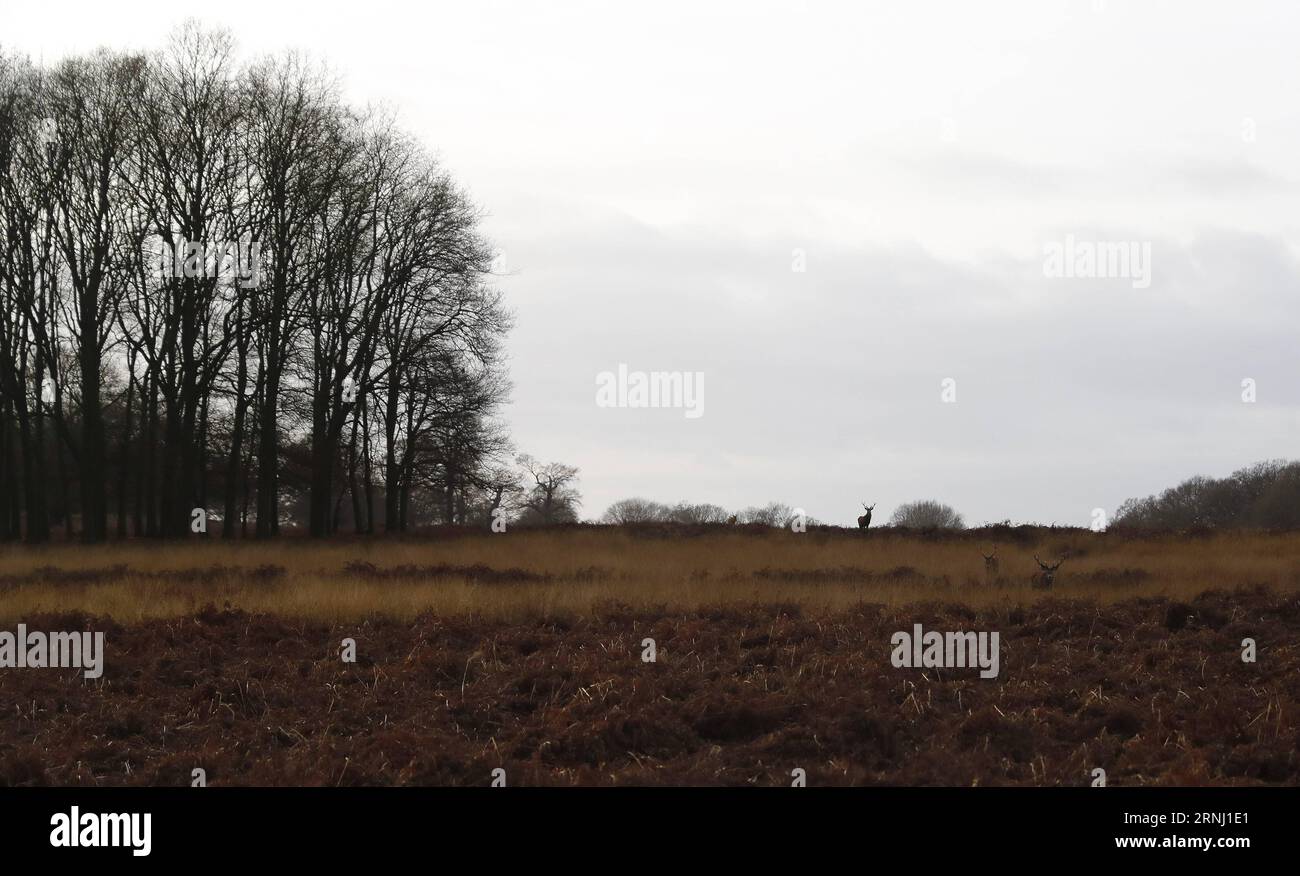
<point x="823" y="388"/>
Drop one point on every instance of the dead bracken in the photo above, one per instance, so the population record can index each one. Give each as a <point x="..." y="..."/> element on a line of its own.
<point x="738" y="695"/>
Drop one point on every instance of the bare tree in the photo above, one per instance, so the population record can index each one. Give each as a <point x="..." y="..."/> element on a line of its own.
<point x="771" y="514"/>
<point x="926" y="514"/>
<point x="28" y="249"/>
<point x="687" y="512"/>
<point x="552" y="495"/>
<point x="91" y="100"/>
<point x="292" y="132"/>
<point x="637" y="510"/>
<point x="189" y="171"/>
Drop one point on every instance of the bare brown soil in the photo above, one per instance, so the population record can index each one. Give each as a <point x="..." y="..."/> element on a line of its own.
<point x="1151" y="689"/>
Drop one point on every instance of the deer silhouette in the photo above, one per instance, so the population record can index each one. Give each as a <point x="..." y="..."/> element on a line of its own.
<point x="990" y="563"/>
<point x="731" y="521"/>
<point x="865" y="520"/>
<point x="1044" y="578"/>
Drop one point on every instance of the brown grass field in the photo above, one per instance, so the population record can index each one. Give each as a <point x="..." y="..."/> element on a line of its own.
<point x="523" y="651"/>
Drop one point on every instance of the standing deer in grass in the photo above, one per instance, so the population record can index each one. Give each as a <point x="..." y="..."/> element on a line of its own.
<point x="1044" y="578"/>
<point x="865" y="520"/>
<point x="990" y="563"/>
<point x="731" y="521"/>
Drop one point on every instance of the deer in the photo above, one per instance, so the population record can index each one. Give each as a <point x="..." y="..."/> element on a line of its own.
<point x="1044" y="578"/>
<point x="865" y="520"/>
<point x="731" y="521"/>
<point x="990" y="563"/>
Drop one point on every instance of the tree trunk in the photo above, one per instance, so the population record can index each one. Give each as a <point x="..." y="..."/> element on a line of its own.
<point x="34" y="457"/>
<point x="152" y="529"/>
<point x="392" y="478"/>
<point x="94" y="503"/>
<point x="124" y="464"/>
<point x="236" y="447"/>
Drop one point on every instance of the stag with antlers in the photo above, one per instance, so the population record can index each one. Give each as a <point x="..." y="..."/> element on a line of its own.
<point x="865" y="520"/>
<point x="990" y="563"/>
<point x="1045" y="577"/>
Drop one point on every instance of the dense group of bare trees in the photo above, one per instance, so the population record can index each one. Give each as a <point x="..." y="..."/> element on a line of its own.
<point x="1265" y="495"/>
<point x="638" y="510"/>
<point x="221" y="287"/>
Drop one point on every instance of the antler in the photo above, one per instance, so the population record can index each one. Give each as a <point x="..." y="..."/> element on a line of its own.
<point x="1046" y="567"/>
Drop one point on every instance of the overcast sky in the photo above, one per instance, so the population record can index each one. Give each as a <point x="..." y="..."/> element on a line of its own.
<point x="656" y="174"/>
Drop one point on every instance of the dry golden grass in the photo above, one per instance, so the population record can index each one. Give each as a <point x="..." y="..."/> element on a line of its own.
<point x="584" y="567"/>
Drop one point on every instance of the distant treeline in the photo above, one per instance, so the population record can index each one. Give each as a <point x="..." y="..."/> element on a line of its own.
<point x="1261" y="496"/>
<point x="922" y="514"/>
<point x="221" y="287"/>
<point x="637" y="510"/>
